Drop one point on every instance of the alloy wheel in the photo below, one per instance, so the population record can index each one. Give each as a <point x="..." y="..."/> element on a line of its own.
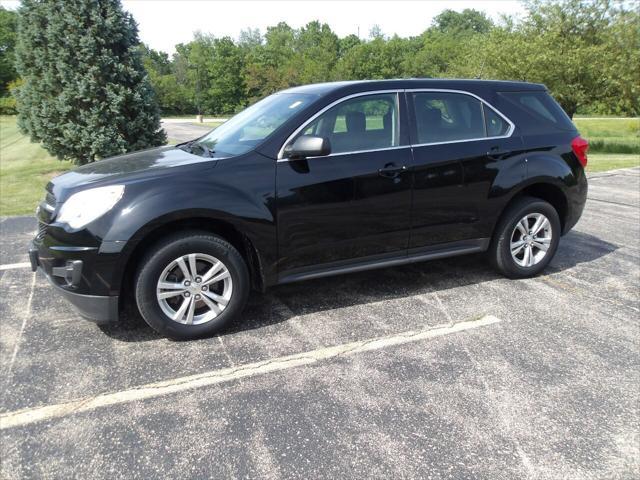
<point x="531" y="239"/>
<point x="194" y="289"/>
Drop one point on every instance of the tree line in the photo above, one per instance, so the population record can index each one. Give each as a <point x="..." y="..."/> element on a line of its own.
<point x="85" y="87"/>
<point x="587" y="52"/>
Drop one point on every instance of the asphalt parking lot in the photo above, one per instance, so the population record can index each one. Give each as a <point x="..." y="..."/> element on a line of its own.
<point x="434" y="370"/>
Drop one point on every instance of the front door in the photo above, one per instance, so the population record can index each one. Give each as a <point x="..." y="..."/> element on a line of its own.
<point x="354" y="204"/>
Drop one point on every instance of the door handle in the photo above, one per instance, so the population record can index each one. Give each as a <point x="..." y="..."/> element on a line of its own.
<point x="497" y="153"/>
<point x="391" y="171"/>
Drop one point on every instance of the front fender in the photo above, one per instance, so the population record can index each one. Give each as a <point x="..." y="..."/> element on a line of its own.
<point x="240" y="195"/>
<point x="151" y="208"/>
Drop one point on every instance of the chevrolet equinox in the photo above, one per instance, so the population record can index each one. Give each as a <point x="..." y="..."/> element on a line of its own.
<point x="313" y="181"/>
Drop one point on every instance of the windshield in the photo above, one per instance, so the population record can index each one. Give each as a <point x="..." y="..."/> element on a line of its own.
<point x="250" y="127"/>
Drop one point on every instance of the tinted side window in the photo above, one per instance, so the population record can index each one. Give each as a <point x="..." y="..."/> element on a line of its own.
<point x="446" y="117"/>
<point x="361" y="123"/>
<point x="536" y="110"/>
<point x="496" y="125"/>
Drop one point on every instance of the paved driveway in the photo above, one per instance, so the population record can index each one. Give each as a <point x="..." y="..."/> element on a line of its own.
<point x="435" y="370"/>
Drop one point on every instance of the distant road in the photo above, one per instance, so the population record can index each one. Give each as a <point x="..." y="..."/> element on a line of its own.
<point x="183" y="130"/>
<point x="192" y="120"/>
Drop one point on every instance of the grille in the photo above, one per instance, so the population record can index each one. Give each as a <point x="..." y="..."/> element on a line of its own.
<point x="47" y="207"/>
<point x="50" y="199"/>
<point x="42" y="230"/>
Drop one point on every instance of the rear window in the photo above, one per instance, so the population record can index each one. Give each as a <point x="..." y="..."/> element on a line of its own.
<point x="535" y="111"/>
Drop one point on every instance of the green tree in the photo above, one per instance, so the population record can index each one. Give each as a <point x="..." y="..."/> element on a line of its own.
<point x="467" y="21"/>
<point x="85" y="94"/>
<point x="270" y="66"/>
<point x="585" y="52"/>
<point x="316" y="52"/>
<point x="449" y="42"/>
<point x="214" y="73"/>
<point x="189" y="72"/>
<point x="8" y="24"/>
<point x="250" y="39"/>
<point x="226" y="82"/>
<point x="378" y="58"/>
<point x="620" y="92"/>
<point x="155" y="61"/>
<point x="174" y="94"/>
<point x="347" y="43"/>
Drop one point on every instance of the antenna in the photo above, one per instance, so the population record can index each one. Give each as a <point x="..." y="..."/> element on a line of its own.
<point x="479" y="75"/>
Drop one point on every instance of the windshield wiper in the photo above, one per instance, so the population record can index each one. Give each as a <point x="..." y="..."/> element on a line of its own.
<point x="186" y="146"/>
<point x="209" y="153"/>
<point x="193" y="143"/>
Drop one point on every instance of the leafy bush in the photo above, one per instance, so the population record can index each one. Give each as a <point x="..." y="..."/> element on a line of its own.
<point x="8" y="106"/>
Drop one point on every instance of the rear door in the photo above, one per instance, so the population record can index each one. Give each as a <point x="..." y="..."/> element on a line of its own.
<point x="354" y="203"/>
<point x="457" y="140"/>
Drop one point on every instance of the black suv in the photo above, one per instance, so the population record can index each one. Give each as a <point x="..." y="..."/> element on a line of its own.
<point x="313" y="181"/>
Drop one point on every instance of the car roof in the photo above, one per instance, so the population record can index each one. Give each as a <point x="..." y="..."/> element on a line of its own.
<point x="410" y="83"/>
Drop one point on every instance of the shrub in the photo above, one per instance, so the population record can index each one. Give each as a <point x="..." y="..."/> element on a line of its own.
<point x="8" y="106"/>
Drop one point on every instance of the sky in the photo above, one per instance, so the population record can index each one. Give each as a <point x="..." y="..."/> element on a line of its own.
<point x="164" y="23"/>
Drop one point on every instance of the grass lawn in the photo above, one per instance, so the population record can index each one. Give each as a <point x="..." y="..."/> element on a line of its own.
<point x="601" y="162"/>
<point x="25" y="167"/>
<point x="610" y="135"/>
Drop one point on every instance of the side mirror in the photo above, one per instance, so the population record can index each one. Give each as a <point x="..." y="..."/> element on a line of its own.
<point x="308" y="146"/>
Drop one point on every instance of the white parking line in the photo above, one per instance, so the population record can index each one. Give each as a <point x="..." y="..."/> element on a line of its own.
<point x="11" y="266"/>
<point x="16" y="346"/>
<point x="32" y="415"/>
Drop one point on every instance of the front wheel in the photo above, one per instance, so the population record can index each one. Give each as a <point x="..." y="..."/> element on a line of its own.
<point x="526" y="239"/>
<point x="191" y="285"/>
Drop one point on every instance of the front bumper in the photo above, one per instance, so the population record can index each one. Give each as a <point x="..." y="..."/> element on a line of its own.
<point x="97" y="308"/>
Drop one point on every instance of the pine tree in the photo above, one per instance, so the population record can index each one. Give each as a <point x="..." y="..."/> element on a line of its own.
<point x="85" y="94"/>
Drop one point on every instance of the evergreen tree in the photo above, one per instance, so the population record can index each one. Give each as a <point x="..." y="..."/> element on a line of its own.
<point x="85" y="94"/>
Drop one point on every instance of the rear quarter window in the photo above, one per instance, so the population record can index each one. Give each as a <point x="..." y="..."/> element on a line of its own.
<point x="534" y="111"/>
<point x="496" y="125"/>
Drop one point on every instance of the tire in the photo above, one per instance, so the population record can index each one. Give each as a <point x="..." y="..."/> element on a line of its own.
<point x="509" y="229"/>
<point x="228" y="295"/>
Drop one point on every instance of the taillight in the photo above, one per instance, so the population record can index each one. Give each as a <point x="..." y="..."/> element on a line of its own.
<point x="580" y="146"/>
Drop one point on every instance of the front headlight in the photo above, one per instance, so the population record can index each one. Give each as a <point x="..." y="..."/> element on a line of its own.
<point x="84" y="207"/>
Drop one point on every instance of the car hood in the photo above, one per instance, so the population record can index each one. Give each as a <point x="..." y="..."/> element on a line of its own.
<point x="124" y="168"/>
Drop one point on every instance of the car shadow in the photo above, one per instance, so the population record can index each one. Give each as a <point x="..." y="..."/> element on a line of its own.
<point x="282" y="302"/>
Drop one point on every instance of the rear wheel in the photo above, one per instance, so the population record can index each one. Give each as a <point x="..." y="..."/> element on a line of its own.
<point x="191" y="285"/>
<point x="526" y="239"/>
